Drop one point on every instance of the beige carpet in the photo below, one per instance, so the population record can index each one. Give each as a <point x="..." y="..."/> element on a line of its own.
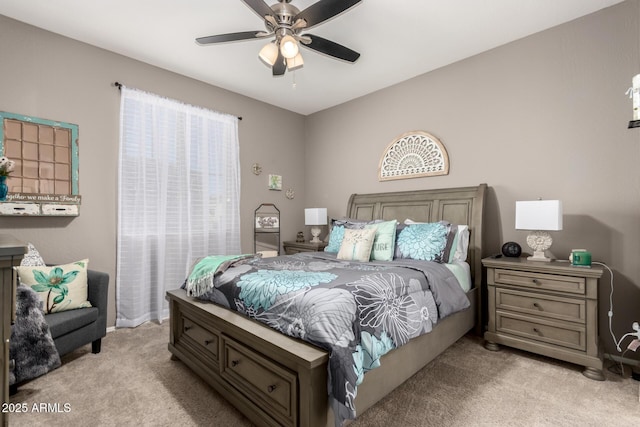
<point x="133" y="382"/>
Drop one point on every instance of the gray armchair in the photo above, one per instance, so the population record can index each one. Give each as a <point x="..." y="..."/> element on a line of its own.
<point x="74" y="328"/>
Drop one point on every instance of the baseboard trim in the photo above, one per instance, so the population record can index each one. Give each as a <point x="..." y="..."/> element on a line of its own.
<point x="113" y="328"/>
<point x="620" y="359"/>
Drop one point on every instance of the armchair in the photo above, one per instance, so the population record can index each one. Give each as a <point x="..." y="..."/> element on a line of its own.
<point x="74" y="328"/>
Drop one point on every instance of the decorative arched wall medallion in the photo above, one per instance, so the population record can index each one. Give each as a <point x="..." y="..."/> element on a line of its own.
<point x="413" y="155"/>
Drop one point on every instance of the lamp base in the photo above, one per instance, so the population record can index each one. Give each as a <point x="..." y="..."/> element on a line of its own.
<point x="539" y="242"/>
<point x="315" y="232"/>
<point x="539" y="256"/>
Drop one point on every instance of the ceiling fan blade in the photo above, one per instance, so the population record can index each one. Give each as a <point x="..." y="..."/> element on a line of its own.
<point x="322" y="10"/>
<point x="331" y="48"/>
<point x="280" y="66"/>
<point x="232" y="37"/>
<point x="259" y="7"/>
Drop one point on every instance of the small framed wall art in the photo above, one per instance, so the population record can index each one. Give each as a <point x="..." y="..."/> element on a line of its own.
<point x="275" y="182"/>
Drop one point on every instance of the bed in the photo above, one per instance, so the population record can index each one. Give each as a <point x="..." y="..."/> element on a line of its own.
<point x="275" y="379"/>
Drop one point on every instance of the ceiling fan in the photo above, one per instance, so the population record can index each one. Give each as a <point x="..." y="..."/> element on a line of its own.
<point x="286" y="22"/>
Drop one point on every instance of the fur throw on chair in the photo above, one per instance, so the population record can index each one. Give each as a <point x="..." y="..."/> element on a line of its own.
<point x="31" y="346"/>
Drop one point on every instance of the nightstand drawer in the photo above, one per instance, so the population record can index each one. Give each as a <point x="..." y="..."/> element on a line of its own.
<point x="548" y="282"/>
<point x="291" y="248"/>
<point x="540" y="305"/>
<point x="563" y="334"/>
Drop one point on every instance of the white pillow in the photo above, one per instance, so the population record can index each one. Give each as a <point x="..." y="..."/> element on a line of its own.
<point x="461" y="244"/>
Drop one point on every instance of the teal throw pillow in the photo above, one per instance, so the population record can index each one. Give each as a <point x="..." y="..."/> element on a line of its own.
<point x="384" y="241"/>
<point x="425" y="242"/>
<point x="335" y="239"/>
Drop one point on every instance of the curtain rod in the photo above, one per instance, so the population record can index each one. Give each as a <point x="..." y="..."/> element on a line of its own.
<point x="119" y="86"/>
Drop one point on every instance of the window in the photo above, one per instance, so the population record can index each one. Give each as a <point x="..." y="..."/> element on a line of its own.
<point x="179" y="196"/>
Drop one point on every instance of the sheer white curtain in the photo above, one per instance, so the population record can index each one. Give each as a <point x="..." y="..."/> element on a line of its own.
<point x="178" y="198"/>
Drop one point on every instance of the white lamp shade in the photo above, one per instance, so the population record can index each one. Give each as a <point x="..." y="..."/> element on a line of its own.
<point x="268" y="54"/>
<point x="288" y="47"/>
<point x="315" y="216"/>
<point x="295" y="62"/>
<point x="539" y="215"/>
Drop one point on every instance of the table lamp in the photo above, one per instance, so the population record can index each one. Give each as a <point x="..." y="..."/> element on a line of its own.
<point x="315" y="217"/>
<point x="540" y="216"/>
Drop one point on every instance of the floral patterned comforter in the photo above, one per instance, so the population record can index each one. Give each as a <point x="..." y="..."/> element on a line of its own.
<point x="357" y="311"/>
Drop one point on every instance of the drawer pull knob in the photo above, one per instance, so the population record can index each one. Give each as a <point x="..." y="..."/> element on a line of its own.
<point x="207" y="342"/>
<point x="536" y="305"/>
<point x="271" y="388"/>
<point x="537" y="331"/>
<point x="536" y="281"/>
<point x="235" y="363"/>
<point x="186" y="328"/>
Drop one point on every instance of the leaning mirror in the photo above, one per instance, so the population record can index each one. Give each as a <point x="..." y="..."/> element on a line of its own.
<point x="267" y="230"/>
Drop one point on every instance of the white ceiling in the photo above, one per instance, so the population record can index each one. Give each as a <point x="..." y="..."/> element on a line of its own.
<point x="397" y="39"/>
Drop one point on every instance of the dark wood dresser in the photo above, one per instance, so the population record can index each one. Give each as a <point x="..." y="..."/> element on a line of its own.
<point x="11" y="253"/>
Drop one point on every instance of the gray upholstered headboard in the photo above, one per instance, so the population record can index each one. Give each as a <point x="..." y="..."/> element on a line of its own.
<point x="463" y="205"/>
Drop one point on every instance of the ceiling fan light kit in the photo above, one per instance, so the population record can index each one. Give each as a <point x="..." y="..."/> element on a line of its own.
<point x="295" y="62"/>
<point x="289" y="47"/>
<point x="268" y="54"/>
<point x="284" y="22"/>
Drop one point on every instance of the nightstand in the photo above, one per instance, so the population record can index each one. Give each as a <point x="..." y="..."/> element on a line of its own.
<point x="548" y="308"/>
<point x="291" y="248"/>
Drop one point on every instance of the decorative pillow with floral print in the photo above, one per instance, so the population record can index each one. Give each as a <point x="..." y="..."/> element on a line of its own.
<point x="424" y="241"/>
<point x="60" y="287"/>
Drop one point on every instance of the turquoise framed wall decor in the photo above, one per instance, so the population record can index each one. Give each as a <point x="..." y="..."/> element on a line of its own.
<point x="46" y="155"/>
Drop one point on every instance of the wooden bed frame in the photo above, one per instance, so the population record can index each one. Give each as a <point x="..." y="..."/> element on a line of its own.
<point x="277" y="380"/>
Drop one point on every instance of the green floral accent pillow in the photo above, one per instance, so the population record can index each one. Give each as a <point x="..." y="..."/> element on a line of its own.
<point x="60" y="287"/>
<point x="356" y="245"/>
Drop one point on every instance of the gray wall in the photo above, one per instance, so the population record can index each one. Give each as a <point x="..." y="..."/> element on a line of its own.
<point x="53" y="77"/>
<point x="545" y="116"/>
